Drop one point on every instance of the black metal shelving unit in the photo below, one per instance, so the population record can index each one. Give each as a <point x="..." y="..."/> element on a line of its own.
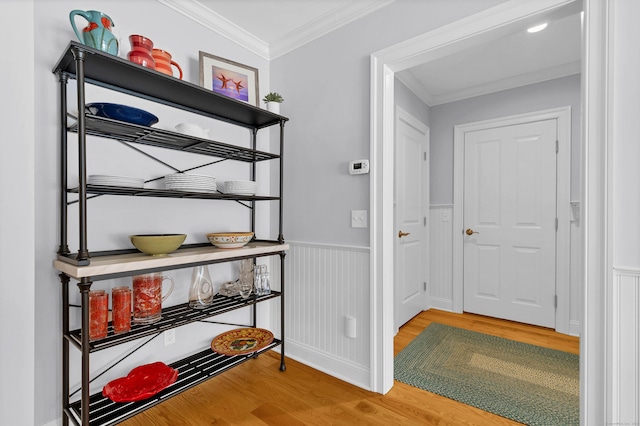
<point x="90" y="66"/>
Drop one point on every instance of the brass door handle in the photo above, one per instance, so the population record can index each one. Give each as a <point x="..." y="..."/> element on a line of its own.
<point x="470" y="231"/>
<point x="403" y="234"/>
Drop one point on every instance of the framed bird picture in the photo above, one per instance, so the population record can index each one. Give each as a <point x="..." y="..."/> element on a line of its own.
<point x="229" y="78"/>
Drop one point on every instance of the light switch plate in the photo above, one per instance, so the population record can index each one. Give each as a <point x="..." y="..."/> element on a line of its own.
<point x="359" y="219"/>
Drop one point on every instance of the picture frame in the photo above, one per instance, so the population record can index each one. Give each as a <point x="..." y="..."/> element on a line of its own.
<point x="229" y="78"/>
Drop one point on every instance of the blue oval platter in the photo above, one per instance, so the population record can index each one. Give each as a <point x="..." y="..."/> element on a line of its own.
<point x="122" y="113"/>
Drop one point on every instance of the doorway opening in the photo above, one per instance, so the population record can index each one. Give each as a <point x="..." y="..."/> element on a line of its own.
<point x="472" y="31"/>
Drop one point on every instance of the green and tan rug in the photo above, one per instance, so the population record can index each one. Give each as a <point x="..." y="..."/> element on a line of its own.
<point x="522" y="382"/>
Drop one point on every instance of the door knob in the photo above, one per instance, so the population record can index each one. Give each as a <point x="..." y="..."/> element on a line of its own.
<point x="470" y="231"/>
<point x="403" y="234"/>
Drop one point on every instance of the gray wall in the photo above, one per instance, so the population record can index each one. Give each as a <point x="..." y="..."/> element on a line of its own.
<point x="549" y="94"/>
<point x="17" y="214"/>
<point x="407" y="100"/>
<point x="326" y="87"/>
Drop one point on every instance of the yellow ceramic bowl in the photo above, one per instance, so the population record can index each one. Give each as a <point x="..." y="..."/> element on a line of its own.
<point x="230" y="239"/>
<point x="157" y="244"/>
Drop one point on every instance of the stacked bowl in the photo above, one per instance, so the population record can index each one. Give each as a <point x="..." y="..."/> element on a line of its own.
<point x="240" y="187"/>
<point x="190" y="183"/>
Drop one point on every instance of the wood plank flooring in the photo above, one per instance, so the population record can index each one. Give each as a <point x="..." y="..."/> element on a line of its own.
<point x="258" y="393"/>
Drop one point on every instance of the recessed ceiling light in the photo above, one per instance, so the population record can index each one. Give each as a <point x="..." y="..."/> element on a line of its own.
<point x="537" y="28"/>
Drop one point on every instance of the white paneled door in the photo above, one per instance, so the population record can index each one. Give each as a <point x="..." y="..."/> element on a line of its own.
<point x="510" y="222"/>
<point x="411" y="193"/>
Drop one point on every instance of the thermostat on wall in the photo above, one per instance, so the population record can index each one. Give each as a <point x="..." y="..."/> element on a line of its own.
<point x="359" y="167"/>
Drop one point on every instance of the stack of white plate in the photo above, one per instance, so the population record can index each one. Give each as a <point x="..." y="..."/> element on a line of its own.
<point x="240" y="187"/>
<point x="190" y="183"/>
<point x="109" y="180"/>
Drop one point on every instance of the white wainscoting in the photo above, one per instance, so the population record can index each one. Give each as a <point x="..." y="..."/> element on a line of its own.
<point x="324" y="285"/>
<point x="624" y="347"/>
<point x="440" y="288"/>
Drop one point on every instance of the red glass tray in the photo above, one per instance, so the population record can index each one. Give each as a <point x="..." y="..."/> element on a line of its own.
<point x="141" y="383"/>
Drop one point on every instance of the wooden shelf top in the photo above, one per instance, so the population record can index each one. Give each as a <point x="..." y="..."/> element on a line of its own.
<point x="126" y="264"/>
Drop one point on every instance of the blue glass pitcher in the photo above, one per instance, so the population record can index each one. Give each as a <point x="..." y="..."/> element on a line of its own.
<point x="98" y="33"/>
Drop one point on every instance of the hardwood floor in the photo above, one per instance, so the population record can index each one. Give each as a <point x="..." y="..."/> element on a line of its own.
<point x="258" y="393"/>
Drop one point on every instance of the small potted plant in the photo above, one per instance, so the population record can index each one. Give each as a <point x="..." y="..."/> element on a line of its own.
<point x="273" y="101"/>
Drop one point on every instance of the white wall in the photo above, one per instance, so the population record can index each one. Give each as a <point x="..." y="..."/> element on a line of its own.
<point x="623" y="295"/>
<point x="626" y="134"/>
<point x="17" y="284"/>
<point x="112" y="219"/>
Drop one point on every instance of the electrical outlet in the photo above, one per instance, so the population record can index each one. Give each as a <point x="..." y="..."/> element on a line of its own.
<point x="169" y="337"/>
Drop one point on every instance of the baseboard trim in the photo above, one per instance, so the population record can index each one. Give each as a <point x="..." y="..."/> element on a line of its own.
<point x="441" y="304"/>
<point x="354" y="374"/>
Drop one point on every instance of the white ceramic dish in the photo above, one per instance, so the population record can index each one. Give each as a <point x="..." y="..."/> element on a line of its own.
<point x="228" y="240"/>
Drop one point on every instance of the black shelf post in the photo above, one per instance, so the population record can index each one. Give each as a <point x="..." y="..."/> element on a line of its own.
<point x="282" y="339"/>
<point x="63" y="79"/>
<point x="252" y="176"/>
<point x="85" y="285"/>
<point x="280" y="202"/>
<point x="64" y="280"/>
<point x="83" y="252"/>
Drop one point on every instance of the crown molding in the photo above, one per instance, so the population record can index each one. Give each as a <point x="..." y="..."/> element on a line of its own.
<point x="414" y="84"/>
<point x="323" y="25"/>
<point x="510" y="83"/>
<point x="306" y="33"/>
<point x="409" y="79"/>
<point x="195" y="11"/>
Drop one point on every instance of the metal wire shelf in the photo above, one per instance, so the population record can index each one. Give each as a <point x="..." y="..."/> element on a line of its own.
<point x="167" y="193"/>
<point x="128" y="132"/>
<point x="172" y="317"/>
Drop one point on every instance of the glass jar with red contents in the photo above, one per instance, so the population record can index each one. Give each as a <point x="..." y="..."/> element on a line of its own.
<point x="121" y="309"/>
<point x="98" y="314"/>
<point x="148" y="298"/>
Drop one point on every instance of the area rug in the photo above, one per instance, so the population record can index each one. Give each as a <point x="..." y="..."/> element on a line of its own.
<point x="522" y="382"/>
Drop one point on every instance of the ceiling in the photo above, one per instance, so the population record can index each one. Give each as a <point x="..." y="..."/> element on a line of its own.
<point x="515" y="60"/>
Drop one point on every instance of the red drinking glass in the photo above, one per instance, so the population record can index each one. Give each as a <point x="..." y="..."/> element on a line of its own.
<point x="121" y="309"/>
<point x="98" y="314"/>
